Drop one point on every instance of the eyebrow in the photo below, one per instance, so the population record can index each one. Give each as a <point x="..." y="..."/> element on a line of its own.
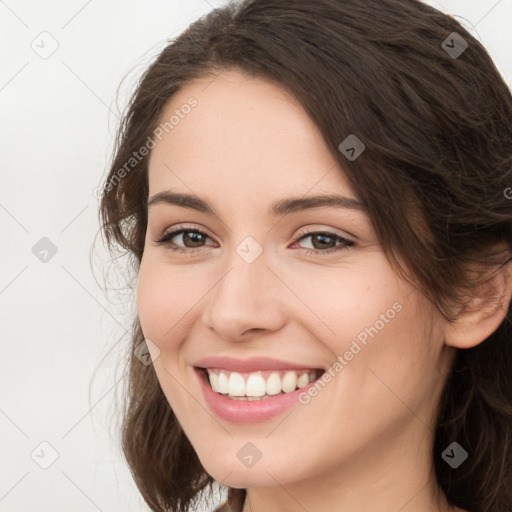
<point x="276" y="209"/>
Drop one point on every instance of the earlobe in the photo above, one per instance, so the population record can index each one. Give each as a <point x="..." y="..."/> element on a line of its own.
<point x="484" y="313"/>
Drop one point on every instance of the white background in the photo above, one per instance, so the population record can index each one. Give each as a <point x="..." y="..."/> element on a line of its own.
<point x="59" y="117"/>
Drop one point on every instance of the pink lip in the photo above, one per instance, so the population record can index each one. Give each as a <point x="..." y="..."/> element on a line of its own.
<point x="238" y="411"/>
<point x="253" y="364"/>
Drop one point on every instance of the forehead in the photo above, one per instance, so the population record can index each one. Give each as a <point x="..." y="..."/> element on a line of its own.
<point x="244" y="135"/>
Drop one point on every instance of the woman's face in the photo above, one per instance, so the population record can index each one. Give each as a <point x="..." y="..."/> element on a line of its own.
<point x="279" y="285"/>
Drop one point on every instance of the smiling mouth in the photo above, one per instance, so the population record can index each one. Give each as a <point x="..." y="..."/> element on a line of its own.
<point x="258" y="385"/>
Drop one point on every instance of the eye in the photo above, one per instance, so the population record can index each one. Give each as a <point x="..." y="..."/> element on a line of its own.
<point x="194" y="240"/>
<point x="194" y="237"/>
<point x="323" y="240"/>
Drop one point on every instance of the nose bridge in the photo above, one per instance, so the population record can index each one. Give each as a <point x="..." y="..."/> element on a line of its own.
<point x="246" y="295"/>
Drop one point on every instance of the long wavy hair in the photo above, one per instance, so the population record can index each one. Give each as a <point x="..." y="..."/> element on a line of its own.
<point x="434" y="177"/>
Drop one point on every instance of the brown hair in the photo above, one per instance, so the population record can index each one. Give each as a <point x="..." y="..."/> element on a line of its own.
<point x="433" y="175"/>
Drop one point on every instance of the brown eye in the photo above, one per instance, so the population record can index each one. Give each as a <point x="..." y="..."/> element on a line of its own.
<point x="322" y="242"/>
<point x="190" y="239"/>
<point x="194" y="238"/>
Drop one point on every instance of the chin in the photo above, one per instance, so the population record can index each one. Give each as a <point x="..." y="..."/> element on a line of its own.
<point x="260" y="475"/>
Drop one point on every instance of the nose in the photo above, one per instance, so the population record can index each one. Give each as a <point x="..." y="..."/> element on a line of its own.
<point x="246" y="299"/>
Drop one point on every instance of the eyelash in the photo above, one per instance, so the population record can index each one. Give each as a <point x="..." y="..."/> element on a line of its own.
<point x="166" y="237"/>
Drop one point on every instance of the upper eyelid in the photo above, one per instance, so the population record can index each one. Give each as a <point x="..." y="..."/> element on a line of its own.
<point x="331" y="231"/>
<point x="180" y="228"/>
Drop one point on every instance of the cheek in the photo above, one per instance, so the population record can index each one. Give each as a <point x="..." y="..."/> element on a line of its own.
<point x="373" y="319"/>
<point x="345" y="300"/>
<point x="162" y="300"/>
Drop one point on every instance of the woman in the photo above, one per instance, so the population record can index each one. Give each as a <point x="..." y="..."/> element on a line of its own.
<point x="314" y="194"/>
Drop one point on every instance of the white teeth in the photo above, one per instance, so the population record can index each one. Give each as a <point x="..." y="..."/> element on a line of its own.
<point x="303" y="380"/>
<point x="222" y="384"/>
<point x="289" y="382"/>
<point x="273" y="384"/>
<point x="236" y="385"/>
<point x="257" y="387"/>
<point x="214" y="380"/>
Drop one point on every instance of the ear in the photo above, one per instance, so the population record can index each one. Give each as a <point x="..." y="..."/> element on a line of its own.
<point x="484" y="312"/>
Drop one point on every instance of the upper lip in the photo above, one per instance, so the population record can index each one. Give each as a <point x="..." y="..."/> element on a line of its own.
<point x="251" y="364"/>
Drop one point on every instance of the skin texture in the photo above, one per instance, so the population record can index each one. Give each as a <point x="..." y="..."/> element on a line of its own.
<point x="365" y="442"/>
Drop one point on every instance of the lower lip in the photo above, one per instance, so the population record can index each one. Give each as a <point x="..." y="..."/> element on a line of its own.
<point x="243" y="411"/>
